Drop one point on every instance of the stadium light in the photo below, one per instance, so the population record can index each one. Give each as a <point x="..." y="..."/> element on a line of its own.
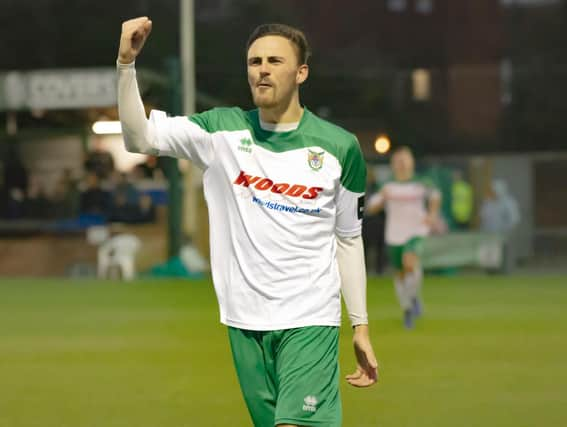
<point x="382" y="144"/>
<point x="105" y="127"/>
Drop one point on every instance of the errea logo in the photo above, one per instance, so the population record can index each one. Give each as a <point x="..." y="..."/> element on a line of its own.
<point x="245" y="145"/>
<point x="310" y="404"/>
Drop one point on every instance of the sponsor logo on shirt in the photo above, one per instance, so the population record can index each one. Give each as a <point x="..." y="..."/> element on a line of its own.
<point x="310" y="404"/>
<point x="281" y="207"/>
<point x="266" y="184"/>
<point x="315" y="159"/>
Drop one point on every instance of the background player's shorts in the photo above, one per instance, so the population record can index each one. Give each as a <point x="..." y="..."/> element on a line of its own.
<point x="396" y="252"/>
<point x="289" y="376"/>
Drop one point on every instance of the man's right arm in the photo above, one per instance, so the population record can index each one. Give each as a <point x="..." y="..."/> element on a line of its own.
<point x="176" y="137"/>
<point x="375" y="203"/>
<point x="139" y="134"/>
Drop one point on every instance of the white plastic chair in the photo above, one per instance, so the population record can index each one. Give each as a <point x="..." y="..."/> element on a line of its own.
<point x="118" y="252"/>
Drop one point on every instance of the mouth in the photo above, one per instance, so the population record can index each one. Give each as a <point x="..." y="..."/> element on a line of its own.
<point x="263" y="85"/>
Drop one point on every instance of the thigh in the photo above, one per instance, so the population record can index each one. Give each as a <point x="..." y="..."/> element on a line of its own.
<point x="255" y="369"/>
<point x="395" y="255"/>
<point x="411" y="253"/>
<point x="308" y="377"/>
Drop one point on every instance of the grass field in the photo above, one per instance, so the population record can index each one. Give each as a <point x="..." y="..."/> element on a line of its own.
<point x="490" y="352"/>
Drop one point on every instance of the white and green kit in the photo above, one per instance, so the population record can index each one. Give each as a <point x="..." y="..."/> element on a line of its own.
<point x="285" y="206"/>
<point x="406" y="208"/>
<point x="405" y="204"/>
<point x="276" y="201"/>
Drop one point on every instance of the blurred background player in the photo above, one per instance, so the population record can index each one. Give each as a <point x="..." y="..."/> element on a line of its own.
<point x="412" y="209"/>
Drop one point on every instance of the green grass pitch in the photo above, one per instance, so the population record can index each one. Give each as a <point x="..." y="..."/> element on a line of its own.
<point x="490" y="352"/>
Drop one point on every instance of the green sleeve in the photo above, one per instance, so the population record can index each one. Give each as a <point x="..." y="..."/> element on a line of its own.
<point x="220" y="118"/>
<point x="353" y="176"/>
<point x="205" y="120"/>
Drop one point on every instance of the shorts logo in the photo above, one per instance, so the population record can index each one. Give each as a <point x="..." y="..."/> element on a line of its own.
<point x="315" y="159"/>
<point x="310" y="404"/>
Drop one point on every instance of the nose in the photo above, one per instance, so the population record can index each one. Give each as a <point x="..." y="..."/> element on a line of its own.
<point x="264" y="69"/>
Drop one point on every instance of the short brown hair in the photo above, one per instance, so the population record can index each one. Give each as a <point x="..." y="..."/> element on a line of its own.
<point x="402" y="148"/>
<point x="292" y="34"/>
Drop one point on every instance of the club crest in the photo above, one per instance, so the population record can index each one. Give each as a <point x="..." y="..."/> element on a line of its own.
<point x="315" y="159"/>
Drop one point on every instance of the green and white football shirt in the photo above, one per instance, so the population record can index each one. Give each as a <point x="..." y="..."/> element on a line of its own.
<point x="405" y="204"/>
<point x="276" y="200"/>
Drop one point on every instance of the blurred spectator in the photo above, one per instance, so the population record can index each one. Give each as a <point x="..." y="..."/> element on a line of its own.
<point x="94" y="200"/>
<point x="499" y="212"/>
<point x="126" y="189"/>
<point x="66" y="197"/>
<point x="129" y="205"/>
<point x="125" y="200"/>
<point x="99" y="162"/>
<point x="35" y="203"/>
<point x="149" y="169"/>
<point x="146" y="209"/>
<point x="15" y="174"/>
<point x="462" y="201"/>
<point x="3" y="194"/>
<point x="14" y="203"/>
<point x="15" y="180"/>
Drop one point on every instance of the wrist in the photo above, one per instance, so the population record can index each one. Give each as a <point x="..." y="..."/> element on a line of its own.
<point x="125" y="61"/>
<point x="360" y="328"/>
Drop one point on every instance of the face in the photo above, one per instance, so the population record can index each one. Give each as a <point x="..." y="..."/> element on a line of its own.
<point x="274" y="73"/>
<point x="403" y="165"/>
<point x="92" y="180"/>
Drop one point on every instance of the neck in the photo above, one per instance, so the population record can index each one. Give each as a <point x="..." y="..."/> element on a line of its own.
<point x="289" y="112"/>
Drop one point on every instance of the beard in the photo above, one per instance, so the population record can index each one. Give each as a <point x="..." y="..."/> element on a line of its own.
<point x="264" y="100"/>
<point x="271" y="98"/>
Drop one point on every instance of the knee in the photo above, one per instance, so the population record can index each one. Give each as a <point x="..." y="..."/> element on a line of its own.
<point x="410" y="262"/>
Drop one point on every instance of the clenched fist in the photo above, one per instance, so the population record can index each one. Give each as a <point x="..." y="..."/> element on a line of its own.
<point x="134" y="35"/>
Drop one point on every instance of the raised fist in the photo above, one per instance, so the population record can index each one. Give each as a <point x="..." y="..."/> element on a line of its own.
<point x="134" y="34"/>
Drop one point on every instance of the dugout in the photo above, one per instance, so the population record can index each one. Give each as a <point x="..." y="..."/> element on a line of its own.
<point x="48" y="116"/>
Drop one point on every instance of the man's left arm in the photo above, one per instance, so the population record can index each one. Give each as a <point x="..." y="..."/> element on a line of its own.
<point x="350" y="258"/>
<point x="433" y="206"/>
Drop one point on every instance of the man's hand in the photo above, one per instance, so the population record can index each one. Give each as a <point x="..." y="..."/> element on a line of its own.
<point x="430" y="219"/>
<point x="366" y="372"/>
<point x="134" y="35"/>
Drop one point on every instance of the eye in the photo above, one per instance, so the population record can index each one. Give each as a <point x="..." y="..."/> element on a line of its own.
<point x="254" y="61"/>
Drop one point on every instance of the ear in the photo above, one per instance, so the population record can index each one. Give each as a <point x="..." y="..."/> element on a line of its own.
<point x="302" y="74"/>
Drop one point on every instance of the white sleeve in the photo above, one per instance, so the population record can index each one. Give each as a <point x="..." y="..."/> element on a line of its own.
<point x="350" y="209"/>
<point x="350" y="258"/>
<point x="139" y="135"/>
<point x="160" y="135"/>
<point x="180" y="137"/>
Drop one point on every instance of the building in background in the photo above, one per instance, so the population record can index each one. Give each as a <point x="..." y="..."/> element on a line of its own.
<point x="432" y="66"/>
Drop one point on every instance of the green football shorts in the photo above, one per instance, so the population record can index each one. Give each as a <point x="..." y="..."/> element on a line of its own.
<point x="396" y="252"/>
<point x="289" y="376"/>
